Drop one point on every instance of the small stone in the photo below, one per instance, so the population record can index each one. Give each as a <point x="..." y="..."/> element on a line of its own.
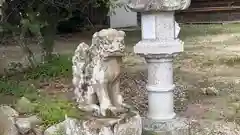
<point x="212" y="114"/>
<point x="210" y="91"/>
<point x="234" y="97"/>
<point x="38" y="130"/>
<point x="24" y="105"/>
<point x="55" y="129"/>
<point x="7" y="110"/>
<point x="230" y="112"/>
<point x="26" y="124"/>
<point x="7" y="123"/>
<point x="237" y="115"/>
<point x="34" y="120"/>
<point x="236" y="105"/>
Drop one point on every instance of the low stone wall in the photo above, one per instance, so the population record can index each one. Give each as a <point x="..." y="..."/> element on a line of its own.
<point x="205" y="17"/>
<point x="208" y="17"/>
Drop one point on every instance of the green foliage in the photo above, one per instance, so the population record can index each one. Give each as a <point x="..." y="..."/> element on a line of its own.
<point x="59" y="66"/>
<point x="13" y="88"/>
<point x="41" y="18"/>
<point x="53" y="111"/>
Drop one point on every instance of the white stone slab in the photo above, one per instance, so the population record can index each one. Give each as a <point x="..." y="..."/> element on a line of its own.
<point x="148" y="27"/>
<point x="165" y="25"/>
<point x="158" y="47"/>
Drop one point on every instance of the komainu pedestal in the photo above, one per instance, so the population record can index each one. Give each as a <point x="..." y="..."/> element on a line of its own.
<point x="130" y="124"/>
<point x="96" y="71"/>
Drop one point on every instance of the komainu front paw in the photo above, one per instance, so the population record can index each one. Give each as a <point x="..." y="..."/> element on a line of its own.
<point x="103" y="110"/>
<point x="115" y="111"/>
<point x="91" y="108"/>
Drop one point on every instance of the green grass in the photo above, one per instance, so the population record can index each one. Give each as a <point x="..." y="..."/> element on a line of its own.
<point x="59" y="66"/>
<point x="10" y="87"/>
<point x="51" y="110"/>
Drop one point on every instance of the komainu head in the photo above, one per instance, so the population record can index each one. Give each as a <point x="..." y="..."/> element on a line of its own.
<point x="108" y="42"/>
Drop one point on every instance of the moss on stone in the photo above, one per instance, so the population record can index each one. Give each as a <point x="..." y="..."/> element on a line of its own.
<point x="145" y="132"/>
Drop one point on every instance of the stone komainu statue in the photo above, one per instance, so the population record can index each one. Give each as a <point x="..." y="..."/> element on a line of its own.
<point x="96" y="71"/>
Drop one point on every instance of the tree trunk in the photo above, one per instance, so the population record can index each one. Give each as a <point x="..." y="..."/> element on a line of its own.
<point x="48" y="42"/>
<point x="26" y="50"/>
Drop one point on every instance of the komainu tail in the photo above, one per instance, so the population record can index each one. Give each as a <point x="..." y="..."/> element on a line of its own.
<point x="80" y="60"/>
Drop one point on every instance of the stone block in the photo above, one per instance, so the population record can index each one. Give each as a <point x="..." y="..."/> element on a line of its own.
<point x="7" y="123"/>
<point x="26" y="124"/>
<point x="176" y="126"/>
<point x="129" y="125"/>
<point x="24" y="105"/>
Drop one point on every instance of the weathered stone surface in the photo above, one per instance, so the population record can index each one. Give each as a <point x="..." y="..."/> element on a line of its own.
<point x="30" y="133"/>
<point x="23" y="126"/>
<point x="131" y="125"/>
<point x="96" y="71"/>
<point x="38" y="130"/>
<point x="24" y="105"/>
<point x="34" y="120"/>
<point x="236" y="105"/>
<point x="210" y="91"/>
<point x="1" y="3"/>
<point x="56" y="129"/>
<point x="7" y="126"/>
<point x="26" y="124"/>
<point x="7" y="122"/>
<point x="230" y="112"/>
<point x="234" y="97"/>
<point x="177" y="126"/>
<point x="8" y="111"/>
<point x="74" y="126"/>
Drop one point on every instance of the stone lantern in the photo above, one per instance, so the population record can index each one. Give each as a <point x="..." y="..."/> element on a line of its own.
<point x="158" y="46"/>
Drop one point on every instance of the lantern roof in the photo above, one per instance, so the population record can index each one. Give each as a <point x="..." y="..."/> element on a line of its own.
<point x="158" y="5"/>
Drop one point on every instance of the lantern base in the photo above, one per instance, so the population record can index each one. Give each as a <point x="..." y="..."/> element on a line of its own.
<point x="176" y="126"/>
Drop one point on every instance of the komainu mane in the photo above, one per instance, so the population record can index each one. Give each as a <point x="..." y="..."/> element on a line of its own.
<point x="96" y="71"/>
